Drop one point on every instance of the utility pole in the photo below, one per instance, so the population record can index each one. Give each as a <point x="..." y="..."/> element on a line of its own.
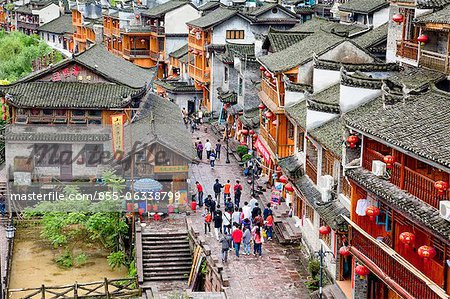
<point x="322" y="254"/>
<point x="228" y="151"/>
<point x="253" y="167"/>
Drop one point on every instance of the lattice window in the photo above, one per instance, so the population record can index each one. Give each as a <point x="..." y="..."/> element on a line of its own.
<point x="309" y="213"/>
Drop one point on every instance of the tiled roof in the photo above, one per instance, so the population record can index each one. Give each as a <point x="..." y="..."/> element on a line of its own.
<point x="440" y="17"/>
<point x="161" y="122"/>
<point x="180" y="52"/>
<point x="229" y="96"/>
<point x="372" y="37"/>
<point x="416" y="78"/>
<point x="243" y="51"/>
<point x="254" y="13"/>
<point x="363" y="6"/>
<point x="303" y="10"/>
<point x="213" y="18"/>
<point x="209" y="5"/>
<point x="298" y="87"/>
<point x="418" y="126"/>
<point x="57" y="134"/>
<point x="292" y="166"/>
<point x="176" y="86"/>
<point x="358" y="79"/>
<point x="298" y="113"/>
<point x="60" y="25"/>
<point x="25" y="9"/>
<point x="114" y="67"/>
<point x="301" y="52"/>
<point x="69" y="95"/>
<point x="326" y="100"/>
<point x="250" y="118"/>
<point x="353" y="67"/>
<point x="317" y="24"/>
<point x="162" y="9"/>
<point x="418" y="211"/>
<point x="280" y="40"/>
<point x="329" y="135"/>
<point x="423" y="4"/>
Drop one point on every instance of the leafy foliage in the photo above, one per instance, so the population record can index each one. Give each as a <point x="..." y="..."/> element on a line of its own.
<point x="17" y="52"/>
<point x="241" y="150"/>
<point x="314" y="267"/>
<point x="65" y="260"/>
<point x="117" y="259"/>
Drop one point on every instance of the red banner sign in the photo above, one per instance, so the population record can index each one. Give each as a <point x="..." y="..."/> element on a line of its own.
<point x="263" y="151"/>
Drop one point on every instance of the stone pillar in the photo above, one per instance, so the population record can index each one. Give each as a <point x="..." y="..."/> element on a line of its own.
<point x="360" y="289"/>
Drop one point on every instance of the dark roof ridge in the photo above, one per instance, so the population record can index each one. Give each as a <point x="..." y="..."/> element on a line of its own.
<point x="351" y="67"/>
<point x="352" y="80"/>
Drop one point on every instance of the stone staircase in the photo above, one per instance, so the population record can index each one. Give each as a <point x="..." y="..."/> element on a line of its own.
<point x="166" y="256"/>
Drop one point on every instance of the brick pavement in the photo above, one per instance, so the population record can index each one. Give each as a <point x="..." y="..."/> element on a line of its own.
<point x="272" y="276"/>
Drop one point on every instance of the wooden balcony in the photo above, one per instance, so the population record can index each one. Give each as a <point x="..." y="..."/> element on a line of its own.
<point x="80" y="36"/>
<point x="157" y="29"/>
<point x="269" y="96"/>
<point x="311" y="170"/>
<point x="77" y="21"/>
<point x="270" y="141"/>
<point x="285" y="150"/>
<point x="397" y="271"/>
<point x="435" y="61"/>
<point x="115" y="31"/>
<point x="195" y="43"/>
<point x="157" y="56"/>
<point x="407" y="49"/>
<point x="199" y="74"/>
<point x="136" y="53"/>
<point x="107" y="31"/>
<point x="407" y="179"/>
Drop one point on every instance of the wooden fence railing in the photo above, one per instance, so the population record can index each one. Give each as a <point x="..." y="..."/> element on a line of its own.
<point x="108" y="288"/>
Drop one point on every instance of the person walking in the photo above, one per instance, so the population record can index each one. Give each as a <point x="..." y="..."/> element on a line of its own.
<point x="247" y="210"/>
<point x="217" y="223"/>
<point x="199" y="193"/>
<point x="257" y="241"/>
<point x="237" y="239"/>
<point x="269" y="226"/>
<point x="208" y="148"/>
<point x="237" y="193"/>
<point x="218" y="148"/>
<point x="267" y="211"/>
<point x="212" y="159"/>
<point x="225" y="240"/>
<point x="252" y="203"/>
<point x="236" y="216"/>
<point x="247" y="239"/>
<point x="226" y="222"/>
<point x="217" y="187"/>
<point x="229" y="205"/>
<point x="256" y="211"/>
<point x="200" y="150"/>
<point x="212" y="204"/>
<point x="227" y="190"/>
<point x="207" y="220"/>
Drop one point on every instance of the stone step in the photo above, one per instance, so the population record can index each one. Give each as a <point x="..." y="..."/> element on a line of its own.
<point x="163" y="238"/>
<point x="168" y="264"/>
<point x="161" y="242"/>
<point x="172" y="251"/>
<point x="163" y="234"/>
<point x="171" y="277"/>
<point x="167" y="269"/>
<point x="167" y="259"/>
<point x="167" y="247"/>
<point x="168" y="254"/>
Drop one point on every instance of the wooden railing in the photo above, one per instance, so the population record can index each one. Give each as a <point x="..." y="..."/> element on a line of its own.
<point x="115" y="31"/>
<point x="196" y="43"/>
<point x="136" y="52"/>
<point x="271" y="92"/>
<point x="394" y="269"/>
<point x="268" y="139"/>
<point x="155" y="55"/>
<point x="81" y="36"/>
<point x="108" y="288"/>
<point x="411" y="181"/>
<point x="346" y="188"/>
<point x="199" y="74"/>
<point x="311" y="171"/>
<point x="285" y="150"/>
<point x="407" y="49"/>
<point x="106" y="31"/>
<point x="157" y="29"/>
<point x="435" y="61"/>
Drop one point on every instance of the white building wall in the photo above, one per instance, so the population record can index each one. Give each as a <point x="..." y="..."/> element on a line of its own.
<point x="174" y="43"/>
<point x="322" y="79"/>
<point x="317" y="118"/>
<point x="352" y="97"/>
<point x="380" y="17"/>
<point x="235" y="23"/>
<point x="292" y="97"/>
<point x="47" y="14"/>
<point x="175" y="20"/>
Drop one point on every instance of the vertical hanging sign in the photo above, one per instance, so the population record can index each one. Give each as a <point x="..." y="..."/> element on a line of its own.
<point x="117" y="135"/>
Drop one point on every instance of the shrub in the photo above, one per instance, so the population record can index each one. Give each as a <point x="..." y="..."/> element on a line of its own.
<point x="81" y="259"/>
<point x="314" y="267"/>
<point x="241" y="150"/>
<point x="65" y="260"/>
<point x="116" y="259"/>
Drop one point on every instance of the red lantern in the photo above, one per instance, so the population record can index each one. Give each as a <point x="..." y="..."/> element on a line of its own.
<point x="244" y="132"/>
<point x="142" y="40"/>
<point x="3" y="108"/>
<point x="362" y="271"/>
<point x="407" y="238"/>
<point x="267" y="74"/>
<point x="289" y="187"/>
<point x="423" y="39"/>
<point x="261" y="107"/>
<point x="274" y="82"/>
<point x="3" y="101"/>
<point x="325" y="230"/>
<point x="344" y="251"/>
<point x="190" y="50"/>
<point x="389" y="160"/>
<point x="426" y="252"/>
<point x="262" y="69"/>
<point x="278" y="169"/>
<point x="275" y="123"/>
<point x="195" y="52"/>
<point x="283" y="179"/>
<point x="397" y="18"/>
<point x="352" y="140"/>
<point x="137" y="16"/>
<point x="441" y="187"/>
<point x="269" y="114"/>
<point x="372" y="212"/>
<point x="251" y="132"/>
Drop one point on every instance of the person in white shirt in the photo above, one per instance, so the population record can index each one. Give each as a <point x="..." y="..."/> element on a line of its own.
<point x="236" y="217"/>
<point x="208" y="148"/>
<point x="253" y="201"/>
<point x="247" y="210"/>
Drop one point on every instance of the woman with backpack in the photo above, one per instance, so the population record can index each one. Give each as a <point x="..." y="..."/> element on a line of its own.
<point x="257" y="241"/>
<point x="226" y="222"/>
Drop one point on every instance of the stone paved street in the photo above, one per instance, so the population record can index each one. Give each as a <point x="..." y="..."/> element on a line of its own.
<point x="273" y="275"/>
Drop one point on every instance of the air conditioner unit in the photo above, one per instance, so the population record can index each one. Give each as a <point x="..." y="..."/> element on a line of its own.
<point x="325" y="182"/>
<point x="378" y="168"/>
<point x="444" y="209"/>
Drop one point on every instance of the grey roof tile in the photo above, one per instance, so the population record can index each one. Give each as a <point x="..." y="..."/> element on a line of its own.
<point x="424" y="4"/>
<point x="330" y="135"/>
<point x="60" y="25"/>
<point x="213" y="18"/>
<point x="317" y="24"/>
<point x="440" y="17"/>
<point x="209" y="5"/>
<point x="280" y="40"/>
<point x="180" y="52"/>
<point x="363" y="6"/>
<point x="163" y="8"/>
<point x="298" y="113"/>
<point x="373" y="36"/>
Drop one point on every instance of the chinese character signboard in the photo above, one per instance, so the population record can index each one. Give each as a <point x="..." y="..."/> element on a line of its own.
<point x="174" y="168"/>
<point x="117" y="134"/>
<point x="264" y="152"/>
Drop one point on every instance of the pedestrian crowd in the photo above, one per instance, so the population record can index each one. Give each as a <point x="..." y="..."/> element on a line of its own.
<point x="212" y="152"/>
<point x="233" y="225"/>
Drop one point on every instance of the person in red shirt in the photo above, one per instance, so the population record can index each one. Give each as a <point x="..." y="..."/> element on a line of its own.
<point x="269" y="226"/>
<point x="199" y="193"/>
<point x="226" y="191"/>
<point x="237" y="193"/>
<point x="237" y="239"/>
